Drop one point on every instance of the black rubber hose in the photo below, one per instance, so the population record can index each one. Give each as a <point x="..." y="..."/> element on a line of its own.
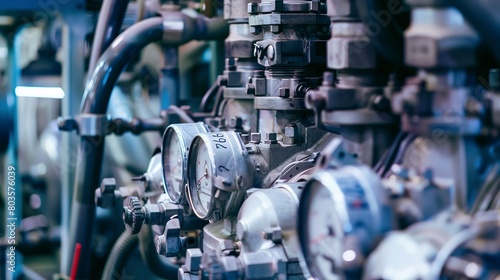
<point x="484" y="19"/>
<point x="157" y="263"/>
<point x="207" y="98"/>
<point x="108" y="27"/>
<point x="115" y="59"/>
<point x="388" y="156"/>
<point x="90" y="154"/>
<point x="117" y="259"/>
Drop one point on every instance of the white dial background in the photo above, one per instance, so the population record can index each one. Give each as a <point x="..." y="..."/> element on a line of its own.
<point x="204" y="174"/>
<point x="322" y="227"/>
<point x="175" y="172"/>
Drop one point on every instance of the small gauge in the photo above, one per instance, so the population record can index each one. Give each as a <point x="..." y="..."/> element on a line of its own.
<point x="176" y="142"/>
<point x="218" y="174"/>
<point x="341" y="214"/>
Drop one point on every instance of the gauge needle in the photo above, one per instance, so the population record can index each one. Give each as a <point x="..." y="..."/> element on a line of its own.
<point x="204" y="174"/>
<point x="319" y="239"/>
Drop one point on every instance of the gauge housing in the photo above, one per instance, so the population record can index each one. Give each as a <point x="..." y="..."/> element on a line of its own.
<point x="342" y="213"/>
<point x="184" y="134"/>
<point x="224" y="174"/>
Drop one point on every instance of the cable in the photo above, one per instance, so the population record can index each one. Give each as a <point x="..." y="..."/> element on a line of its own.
<point x="388" y="157"/>
<point x="157" y="263"/>
<point x="108" y="27"/>
<point x="117" y="259"/>
<point x="209" y="95"/>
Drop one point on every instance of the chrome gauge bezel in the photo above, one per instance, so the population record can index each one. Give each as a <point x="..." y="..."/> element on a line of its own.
<point x="306" y="200"/>
<point x="185" y="133"/>
<point x="360" y="213"/>
<point x="193" y="197"/>
<point x="229" y="179"/>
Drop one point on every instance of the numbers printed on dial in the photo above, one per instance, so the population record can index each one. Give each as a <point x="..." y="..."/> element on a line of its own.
<point x="222" y="168"/>
<point x="218" y="139"/>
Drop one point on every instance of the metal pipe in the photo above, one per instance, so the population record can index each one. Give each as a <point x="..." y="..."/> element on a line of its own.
<point x="73" y="81"/>
<point x="114" y="60"/>
<point x="169" y="79"/>
<point x="96" y="99"/>
<point x="108" y="27"/>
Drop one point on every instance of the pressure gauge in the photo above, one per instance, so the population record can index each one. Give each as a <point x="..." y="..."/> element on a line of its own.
<point x="218" y="175"/>
<point x="175" y="148"/>
<point x="341" y="214"/>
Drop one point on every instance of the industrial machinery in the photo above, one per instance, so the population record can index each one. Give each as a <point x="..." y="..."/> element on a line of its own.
<point x="333" y="139"/>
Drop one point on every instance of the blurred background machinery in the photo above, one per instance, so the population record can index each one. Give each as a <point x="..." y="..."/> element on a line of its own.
<point x="272" y="139"/>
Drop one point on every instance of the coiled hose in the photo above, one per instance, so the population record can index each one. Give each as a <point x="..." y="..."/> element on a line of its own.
<point x="117" y="259"/>
<point x="123" y="248"/>
<point x="159" y="265"/>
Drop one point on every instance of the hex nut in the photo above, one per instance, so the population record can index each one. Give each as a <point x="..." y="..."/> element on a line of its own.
<point x="250" y="89"/>
<point x="255" y="138"/>
<point x="448" y="44"/>
<point x="108" y="185"/>
<point x="193" y="259"/>
<point x="431" y="52"/>
<point x="341" y="8"/>
<point x="271" y="138"/>
<point x="353" y="52"/>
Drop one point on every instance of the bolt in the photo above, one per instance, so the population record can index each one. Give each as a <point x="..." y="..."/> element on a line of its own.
<point x="284" y="92"/>
<point x="255" y="138"/>
<point x="161" y="244"/>
<point x="271" y="138"/>
<point x="214" y="122"/>
<point x="290" y="131"/>
<point x="273" y="234"/>
<point x="328" y="79"/>
<point x="276" y="5"/>
<point x="275" y="28"/>
<point x="231" y="63"/>
<point x="253" y="8"/>
<point x="108" y="185"/>
<point x="141" y="178"/>
<point x="222" y="81"/>
<point x="270" y="52"/>
<point x="250" y="89"/>
<point x="381" y="103"/>
<point x="105" y="195"/>
<point x="314" y="6"/>
<point x="235" y="122"/>
<point x="66" y="124"/>
<point x="255" y="30"/>
<point x="193" y="259"/>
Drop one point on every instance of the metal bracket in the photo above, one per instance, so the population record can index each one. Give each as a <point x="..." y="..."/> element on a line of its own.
<point x="87" y="124"/>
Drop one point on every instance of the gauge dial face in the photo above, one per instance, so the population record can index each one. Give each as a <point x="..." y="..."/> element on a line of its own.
<point x="173" y="166"/>
<point x="321" y="239"/>
<point x="201" y="183"/>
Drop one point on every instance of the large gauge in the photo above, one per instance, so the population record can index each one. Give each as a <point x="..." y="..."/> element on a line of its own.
<point x="218" y="174"/>
<point x="176" y="142"/>
<point x="341" y="214"/>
